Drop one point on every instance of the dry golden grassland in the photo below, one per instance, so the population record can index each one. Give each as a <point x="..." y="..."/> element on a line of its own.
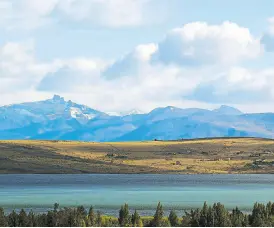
<point x="218" y="155"/>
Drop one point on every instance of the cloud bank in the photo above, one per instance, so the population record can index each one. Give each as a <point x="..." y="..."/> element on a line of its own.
<point x="197" y="64"/>
<point x="32" y="14"/>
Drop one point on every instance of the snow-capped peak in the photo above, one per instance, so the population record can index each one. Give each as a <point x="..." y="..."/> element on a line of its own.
<point x="131" y="112"/>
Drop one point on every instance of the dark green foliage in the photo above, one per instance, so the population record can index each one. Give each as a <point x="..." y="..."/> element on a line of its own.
<point x="51" y="219"/>
<point x="31" y="219"/>
<point x="3" y="221"/>
<point x="238" y="219"/>
<point x="81" y="212"/>
<point x="158" y="216"/>
<point x="13" y="219"/>
<point x="91" y="217"/>
<point x="23" y="218"/>
<point x="207" y="216"/>
<point x="173" y="219"/>
<point x="56" y="206"/>
<point x="203" y="221"/>
<point x="221" y="216"/>
<point x="136" y="220"/>
<point x="99" y="219"/>
<point x="124" y="216"/>
<point x="262" y="215"/>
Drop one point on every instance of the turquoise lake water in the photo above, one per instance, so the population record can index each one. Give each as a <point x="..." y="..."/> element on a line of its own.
<point x="107" y="192"/>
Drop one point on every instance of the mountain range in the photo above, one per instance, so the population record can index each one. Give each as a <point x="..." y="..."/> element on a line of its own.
<point x="57" y="119"/>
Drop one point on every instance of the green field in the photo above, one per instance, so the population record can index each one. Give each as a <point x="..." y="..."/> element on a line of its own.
<point x="217" y="155"/>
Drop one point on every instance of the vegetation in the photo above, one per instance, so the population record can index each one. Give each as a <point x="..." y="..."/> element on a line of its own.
<point x="216" y="155"/>
<point x="215" y="215"/>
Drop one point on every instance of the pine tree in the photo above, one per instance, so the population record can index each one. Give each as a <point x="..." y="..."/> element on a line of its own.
<point x="13" y="219"/>
<point x="186" y="221"/>
<point x="238" y="218"/>
<point x="158" y="216"/>
<point x="124" y="217"/>
<point x="31" y="219"/>
<point x="99" y="219"/>
<point x="23" y="218"/>
<point x="259" y="215"/>
<point x="222" y="216"/>
<point x="3" y="221"/>
<point x="55" y="216"/>
<point x="91" y="216"/>
<point x="173" y="218"/>
<point x="81" y="212"/>
<point x="72" y="218"/>
<point x="210" y="217"/>
<point x="204" y="216"/>
<point x="51" y="219"/>
<point x="195" y="217"/>
<point x="136" y="220"/>
<point x="55" y="207"/>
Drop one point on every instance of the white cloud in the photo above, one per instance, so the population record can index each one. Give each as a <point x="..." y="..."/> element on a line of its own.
<point x="198" y="43"/>
<point x="271" y="25"/>
<point x="237" y="85"/>
<point x="20" y="71"/>
<point x="71" y="75"/>
<point x="18" y="67"/>
<point x="145" y="78"/>
<point x="268" y="37"/>
<point x="131" y="63"/>
<point x="31" y="14"/>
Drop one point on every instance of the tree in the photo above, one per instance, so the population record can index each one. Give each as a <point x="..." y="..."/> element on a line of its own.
<point x="238" y="219"/>
<point x="81" y="215"/>
<point x="99" y="219"/>
<point x="55" y="207"/>
<point x="186" y="221"/>
<point x="41" y="220"/>
<point x="173" y="218"/>
<point x="23" y="218"/>
<point x="221" y="216"/>
<point x="195" y="218"/>
<point x="51" y="219"/>
<point x="31" y="219"/>
<point x="13" y="219"/>
<point x="165" y="223"/>
<point x="72" y="218"/>
<point x="158" y="216"/>
<point x="3" y="221"/>
<point x="53" y="216"/>
<point x="91" y="216"/>
<point x="124" y="217"/>
<point x="136" y="220"/>
<point x="81" y="212"/>
<point x="82" y="223"/>
<point x="204" y="216"/>
<point x="210" y="217"/>
<point x="259" y="215"/>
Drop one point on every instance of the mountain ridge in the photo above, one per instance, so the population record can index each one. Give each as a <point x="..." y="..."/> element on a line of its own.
<point x="57" y="119"/>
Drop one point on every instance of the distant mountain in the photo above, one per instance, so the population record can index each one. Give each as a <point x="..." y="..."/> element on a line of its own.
<point x="227" y="110"/>
<point x="58" y="119"/>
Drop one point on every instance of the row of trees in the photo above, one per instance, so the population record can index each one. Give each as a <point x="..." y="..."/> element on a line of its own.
<point x="207" y="216"/>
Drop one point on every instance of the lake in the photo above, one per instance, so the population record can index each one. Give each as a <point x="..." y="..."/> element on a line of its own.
<point x="106" y="192"/>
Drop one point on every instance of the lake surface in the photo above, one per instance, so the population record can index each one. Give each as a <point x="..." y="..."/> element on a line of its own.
<point x="107" y="192"/>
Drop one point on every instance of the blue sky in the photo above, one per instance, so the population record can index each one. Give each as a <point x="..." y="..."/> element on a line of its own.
<point x="118" y="55"/>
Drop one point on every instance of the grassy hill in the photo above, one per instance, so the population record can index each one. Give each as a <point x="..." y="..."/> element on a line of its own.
<point x="216" y="155"/>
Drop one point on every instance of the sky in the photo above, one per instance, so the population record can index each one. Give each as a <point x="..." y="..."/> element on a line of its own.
<point x="119" y="55"/>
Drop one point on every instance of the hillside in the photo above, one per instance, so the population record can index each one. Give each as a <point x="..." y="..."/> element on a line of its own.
<point x="216" y="155"/>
